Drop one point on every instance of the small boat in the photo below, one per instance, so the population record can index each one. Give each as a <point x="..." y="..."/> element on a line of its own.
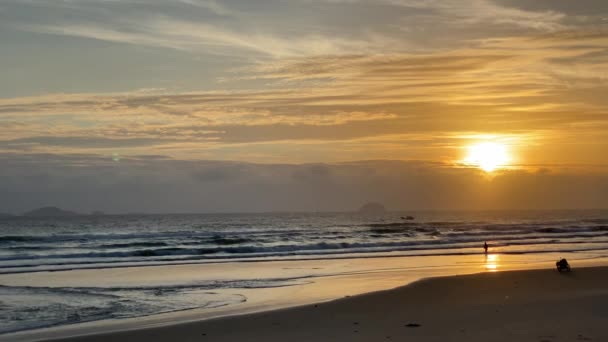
<point x="409" y="218"/>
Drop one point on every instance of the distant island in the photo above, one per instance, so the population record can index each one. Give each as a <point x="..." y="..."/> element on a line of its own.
<point x="372" y="209"/>
<point x="49" y="212"/>
<point x="6" y="215"/>
<point x="97" y="213"/>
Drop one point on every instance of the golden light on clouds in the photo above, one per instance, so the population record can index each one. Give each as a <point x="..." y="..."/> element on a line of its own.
<point x="488" y="156"/>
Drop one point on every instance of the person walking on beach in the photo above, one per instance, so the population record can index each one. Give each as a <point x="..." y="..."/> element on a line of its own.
<point x="485" y="247"/>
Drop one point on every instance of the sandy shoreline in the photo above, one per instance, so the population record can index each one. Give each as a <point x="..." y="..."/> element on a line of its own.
<point x="537" y="305"/>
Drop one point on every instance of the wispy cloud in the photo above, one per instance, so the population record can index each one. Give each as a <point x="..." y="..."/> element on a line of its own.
<point x="223" y="30"/>
<point x="338" y="90"/>
<point x="212" y="5"/>
<point x="488" y="11"/>
<point x="199" y="37"/>
<point x="362" y="104"/>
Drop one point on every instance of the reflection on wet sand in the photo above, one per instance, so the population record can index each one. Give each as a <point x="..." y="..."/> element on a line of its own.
<point x="491" y="262"/>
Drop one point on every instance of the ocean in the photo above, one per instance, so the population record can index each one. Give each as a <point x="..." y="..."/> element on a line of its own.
<point x="40" y="246"/>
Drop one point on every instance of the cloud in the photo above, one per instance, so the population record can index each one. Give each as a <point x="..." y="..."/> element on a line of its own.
<point x="169" y="185"/>
<point x="489" y="11"/>
<point x="159" y="30"/>
<point x="309" y="88"/>
<point x="265" y="30"/>
<point x="471" y="12"/>
<point x="211" y="5"/>
<point x="347" y="107"/>
<point x="342" y="91"/>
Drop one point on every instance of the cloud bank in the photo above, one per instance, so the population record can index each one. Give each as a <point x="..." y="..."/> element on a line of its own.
<point x="156" y="184"/>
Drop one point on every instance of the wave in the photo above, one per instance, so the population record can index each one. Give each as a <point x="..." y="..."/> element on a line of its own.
<point x="199" y="237"/>
<point x="490" y="231"/>
<point x="572" y="229"/>
<point x="165" y="238"/>
<point x="244" y="251"/>
<point x="62" y="306"/>
<point x="312" y="255"/>
<point x="178" y="239"/>
<point x="20" y="238"/>
<point x="28" y="248"/>
<point x="134" y="244"/>
<point x="221" y="240"/>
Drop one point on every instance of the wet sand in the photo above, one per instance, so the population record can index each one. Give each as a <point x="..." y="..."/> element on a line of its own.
<point x="537" y="305"/>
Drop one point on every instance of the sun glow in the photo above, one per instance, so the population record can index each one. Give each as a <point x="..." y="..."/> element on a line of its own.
<point x="488" y="156"/>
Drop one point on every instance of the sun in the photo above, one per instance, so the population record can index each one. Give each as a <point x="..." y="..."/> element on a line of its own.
<point x="488" y="156"/>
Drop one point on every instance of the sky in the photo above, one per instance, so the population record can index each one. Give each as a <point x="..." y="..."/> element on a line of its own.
<point x="266" y="105"/>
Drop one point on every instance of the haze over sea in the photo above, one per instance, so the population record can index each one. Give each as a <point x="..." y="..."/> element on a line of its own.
<point x="32" y="246"/>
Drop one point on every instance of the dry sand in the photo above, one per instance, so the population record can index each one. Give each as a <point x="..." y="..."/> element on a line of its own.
<point x="538" y="305"/>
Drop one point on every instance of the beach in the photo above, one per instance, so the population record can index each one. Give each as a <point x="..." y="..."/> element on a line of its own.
<point x="120" y="275"/>
<point x="532" y="305"/>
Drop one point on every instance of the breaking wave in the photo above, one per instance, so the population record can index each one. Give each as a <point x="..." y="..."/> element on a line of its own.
<point x="199" y="238"/>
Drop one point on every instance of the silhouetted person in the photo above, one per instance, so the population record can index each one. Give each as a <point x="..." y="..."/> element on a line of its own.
<point x="562" y="265"/>
<point x="485" y="247"/>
